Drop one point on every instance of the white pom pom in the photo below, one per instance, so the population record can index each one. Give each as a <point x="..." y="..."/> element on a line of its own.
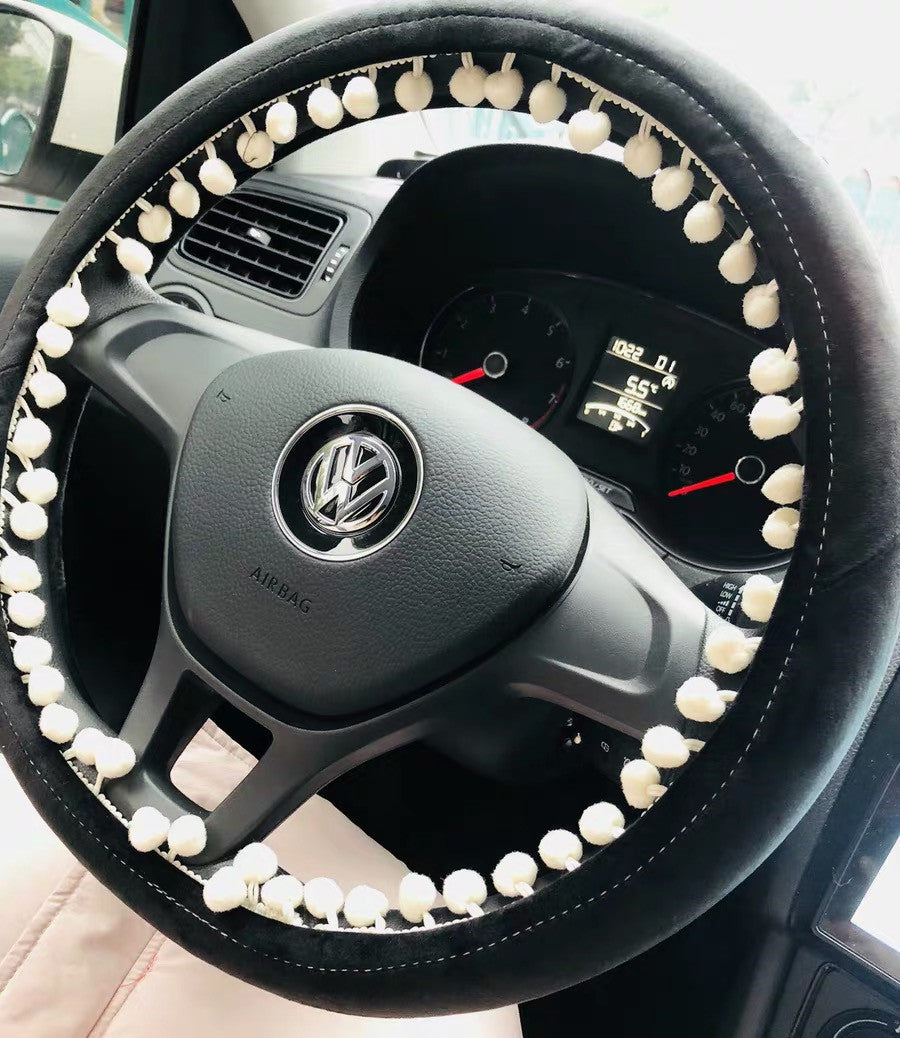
<point x="282" y="894"/>
<point x="216" y="176"/>
<point x="664" y="747"/>
<point x="85" y="744"/>
<point x="38" y="485"/>
<point x="281" y="122"/>
<point x="68" y="307"/>
<point x="601" y="823"/>
<point x="785" y="485"/>
<point x="503" y="88"/>
<point x="464" y="891"/>
<point x="155" y="224"/>
<point x="587" y="130"/>
<point x="559" y="849"/>
<point x="413" y="92"/>
<point x="58" y="723"/>
<point x="25" y="609"/>
<point x="256" y="149"/>
<point x="640" y="779"/>
<point x="147" y="829"/>
<point x="324" y="898"/>
<point x="546" y="102"/>
<point x="113" y="758"/>
<point x="699" y="699"/>
<point x="772" y="371"/>
<point x="738" y="262"/>
<point x="184" y="198"/>
<point x="30" y="652"/>
<point x="19" y="573"/>
<point x="324" y="108"/>
<point x="224" y="890"/>
<point x="515" y="874"/>
<point x="672" y="187"/>
<point x="729" y="650"/>
<point x="54" y="339"/>
<point x="759" y="596"/>
<point x="256" y="863"/>
<point x="780" y="529"/>
<point x="28" y="521"/>
<point x="31" y="438"/>
<point x="134" y="256"/>
<point x="187" y="836"/>
<point x="364" y="906"/>
<point x="467" y="85"/>
<point x="47" y="389"/>
<point x="360" y="97"/>
<point x="46" y="685"/>
<point x="417" y="897"/>
<point x="642" y="156"/>
<point x="761" y="306"/>
<point x="704" y="222"/>
<point x="773" y="416"/>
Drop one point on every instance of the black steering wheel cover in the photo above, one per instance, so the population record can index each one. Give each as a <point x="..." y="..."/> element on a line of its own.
<point x="834" y="626"/>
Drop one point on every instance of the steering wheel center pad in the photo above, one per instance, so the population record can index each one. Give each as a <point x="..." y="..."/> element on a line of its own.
<point x="493" y="537"/>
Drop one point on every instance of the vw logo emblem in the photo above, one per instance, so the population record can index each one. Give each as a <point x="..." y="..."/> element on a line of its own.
<point x="349" y="483"/>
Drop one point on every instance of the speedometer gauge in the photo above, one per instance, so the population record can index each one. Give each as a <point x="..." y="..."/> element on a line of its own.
<point x="509" y="347"/>
<point x="712" y="504"/>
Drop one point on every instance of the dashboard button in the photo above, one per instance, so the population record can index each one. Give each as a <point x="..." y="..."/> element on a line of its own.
<point x="614" y="493"/>
<point x="609" y="750"/>
<point x="722" y="594"/>
<point x="336" y="260"/>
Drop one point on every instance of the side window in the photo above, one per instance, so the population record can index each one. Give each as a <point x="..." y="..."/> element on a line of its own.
<point x="61" y="65"/>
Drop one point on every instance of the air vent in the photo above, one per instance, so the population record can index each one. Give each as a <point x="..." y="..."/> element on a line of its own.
<point x="272" y="243"/>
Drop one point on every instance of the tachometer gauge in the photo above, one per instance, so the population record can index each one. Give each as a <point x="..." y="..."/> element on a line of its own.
<point x="509" y="347"/>
<point x="712" y="504"/>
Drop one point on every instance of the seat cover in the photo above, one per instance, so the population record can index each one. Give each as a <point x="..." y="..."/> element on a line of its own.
<point x="76" y="962"/>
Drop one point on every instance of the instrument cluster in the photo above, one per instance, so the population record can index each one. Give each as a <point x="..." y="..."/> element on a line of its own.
<point x="649" y="399"/>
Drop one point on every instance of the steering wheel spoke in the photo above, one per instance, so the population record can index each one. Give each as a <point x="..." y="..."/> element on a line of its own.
<point x="180" y="693"/>
<point x="622" y="638"/>
<point x="131" y="357"/>
<point x="299" y="763"/>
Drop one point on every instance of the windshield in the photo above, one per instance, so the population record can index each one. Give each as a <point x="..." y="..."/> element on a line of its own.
<point x="827" y="68"/>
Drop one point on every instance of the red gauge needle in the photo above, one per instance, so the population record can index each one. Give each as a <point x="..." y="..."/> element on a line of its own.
<point x="714" y="481"/>
<point x="468" y="376"/>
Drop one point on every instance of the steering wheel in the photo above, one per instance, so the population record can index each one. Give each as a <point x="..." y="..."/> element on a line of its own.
<point x="359" y="552"/>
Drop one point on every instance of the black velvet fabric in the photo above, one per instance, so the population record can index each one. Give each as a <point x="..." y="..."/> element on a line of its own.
<point x="836" y="618"/>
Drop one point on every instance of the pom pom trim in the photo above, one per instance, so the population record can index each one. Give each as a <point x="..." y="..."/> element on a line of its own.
<point x="68" y="309"/>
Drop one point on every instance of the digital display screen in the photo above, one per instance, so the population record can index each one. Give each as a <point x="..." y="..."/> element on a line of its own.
<point x="879" y="911"/>
<point x="630" y="389"/>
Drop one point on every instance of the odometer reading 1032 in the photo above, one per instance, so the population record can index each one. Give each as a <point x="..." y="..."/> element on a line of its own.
<point x="630" y="390"/>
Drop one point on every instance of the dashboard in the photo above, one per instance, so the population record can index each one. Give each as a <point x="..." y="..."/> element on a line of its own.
<point x="598" y="324"/>
<point x="649" y="399"/>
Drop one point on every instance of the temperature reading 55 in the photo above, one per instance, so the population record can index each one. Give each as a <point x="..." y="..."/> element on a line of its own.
<point x="630" y="389"/>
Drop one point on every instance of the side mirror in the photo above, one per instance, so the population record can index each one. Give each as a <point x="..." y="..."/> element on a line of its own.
<point x="60" y="83"/>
